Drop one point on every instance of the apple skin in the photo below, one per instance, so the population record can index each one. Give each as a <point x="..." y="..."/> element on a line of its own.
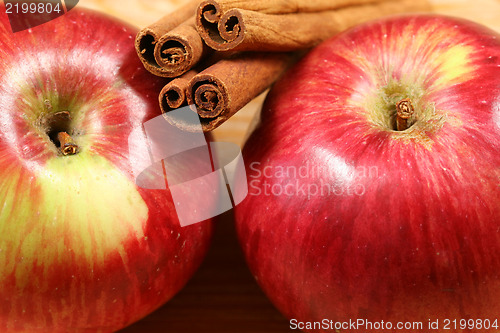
<point x="82" y="247"/>
<point x="409" y="227"/>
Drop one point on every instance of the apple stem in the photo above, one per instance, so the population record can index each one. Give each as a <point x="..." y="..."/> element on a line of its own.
<point x="57" y="126"/>
<point x="404" y="110"/>
<point x="68" y="146"/>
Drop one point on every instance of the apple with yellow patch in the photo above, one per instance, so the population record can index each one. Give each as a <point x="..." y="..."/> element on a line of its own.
<point x="374" y="197"/>
<point x="82" y="247"/>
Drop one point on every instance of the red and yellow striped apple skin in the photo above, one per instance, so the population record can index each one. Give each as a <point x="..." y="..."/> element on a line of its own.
<point x="82" y="247"/>
<point x="410" y="230"/>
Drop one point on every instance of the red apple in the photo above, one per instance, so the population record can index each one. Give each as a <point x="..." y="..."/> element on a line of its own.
<point x="350" y="218"/>
<point x="82" y="247"/>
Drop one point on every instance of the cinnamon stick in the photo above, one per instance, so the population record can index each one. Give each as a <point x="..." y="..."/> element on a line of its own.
<point x="148" y="38"/>
<point x="173" y="94"/>
<point x="222" y="89"/>
<point x="240" y="29"/>
<point x="209" y="12"/>
<point x="180" y="49"/>
<point x="215" y="8"/>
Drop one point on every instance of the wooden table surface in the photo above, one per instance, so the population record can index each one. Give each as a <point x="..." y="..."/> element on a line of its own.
<point x="223" y="296"/>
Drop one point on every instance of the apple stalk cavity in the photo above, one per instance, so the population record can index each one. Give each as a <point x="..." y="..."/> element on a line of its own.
<point x="57" y="125"/>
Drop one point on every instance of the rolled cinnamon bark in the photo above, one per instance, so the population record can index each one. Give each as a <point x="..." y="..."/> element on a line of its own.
<point x="209" y="12"/>
<point x="224" y="88"/>
<point x="180" y="49"/>
<point x="173" y="94"/>
<point x="215" y="8"/>
<point x="147" y="39"/>
<point x="240" y="29"/>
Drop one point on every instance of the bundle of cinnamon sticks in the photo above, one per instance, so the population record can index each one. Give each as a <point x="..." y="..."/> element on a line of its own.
<point x="220" y="54"/>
